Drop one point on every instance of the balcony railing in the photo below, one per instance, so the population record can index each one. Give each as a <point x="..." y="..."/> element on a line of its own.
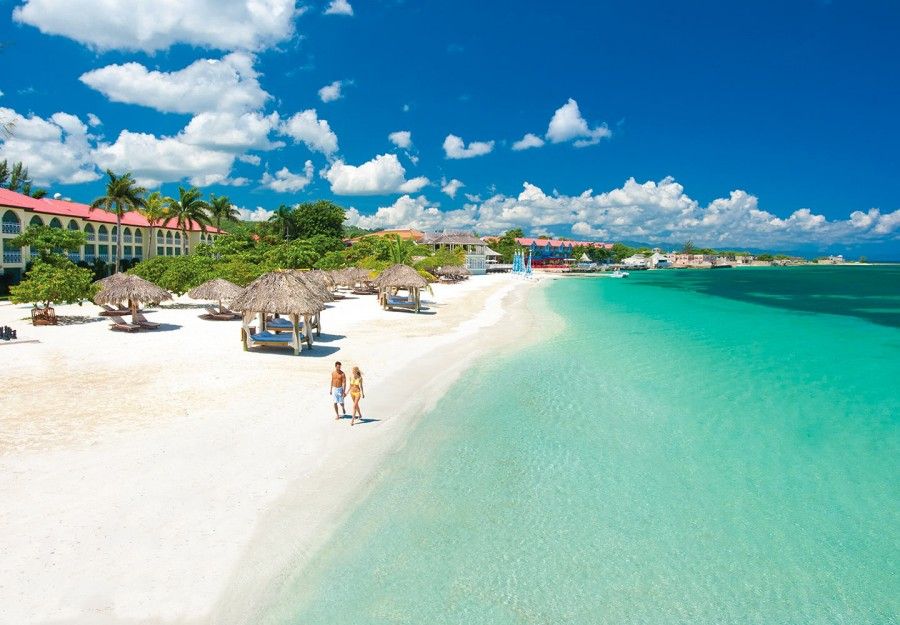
<point x="91" y="237"/>
<point x="12" y="257"/>
<point x="74" y="257"/>
<point x="12" y="227"/>
<point x="89" y="258"/>
<point x="103" y="237"/>
<point x="127" y="238"/>
<point x="103" y="257"/>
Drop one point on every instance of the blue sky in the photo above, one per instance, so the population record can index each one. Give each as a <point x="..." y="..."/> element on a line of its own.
<point x="770" y="125"/>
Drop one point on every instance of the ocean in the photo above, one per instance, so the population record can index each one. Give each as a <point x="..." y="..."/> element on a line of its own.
<point x="697" y="447"/>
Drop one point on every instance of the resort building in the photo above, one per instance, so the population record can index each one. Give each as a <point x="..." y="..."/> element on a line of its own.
<point x="475" y="249"/>
<point x="18" y="211"/>
<point x="555" y="252"/>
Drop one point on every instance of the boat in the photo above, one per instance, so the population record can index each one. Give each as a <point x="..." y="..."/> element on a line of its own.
<point x="618" y="273"/>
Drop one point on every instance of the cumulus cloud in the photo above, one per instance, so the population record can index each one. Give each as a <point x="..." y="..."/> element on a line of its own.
<point x="285" y="181"/>
<point x="56" y="149"/>
<point x="250" y="159"/>
<point x="93" y="120"/>
<point x="450" y="187"/>
<point x="650" y="211"/>
<point x="149" y="26"/>
<point x="567" y="124"/>
<point x="227" y="84"/>
<point x="331" y="92"/>
<point x="339" y="7"/>
<point x="382" y="175"/>
<point x="232" y="132"/>
<point x="402" y="139"/>
<point x="530" y="140"/>
<point x="306" y="127"/>
<point x="455" y="147"/>
<point x="257" y="214"/>
<point x="164" y="159"/>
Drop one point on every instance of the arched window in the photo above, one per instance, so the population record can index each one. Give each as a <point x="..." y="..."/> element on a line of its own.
<point x="89" y="232"/>
<point x="126" y="235"/>
<point x="73" y="225"/>
<point x="138" y="236"/>
<point x="113" y="233"/>
<point x="55" y="223"/>
<point x="168" y="238"/>
<point x="160" y="238"/>
<point x="178" y="237"/>
<point x="36" y="221"/>
<point x="102" y="233"/>
<point x="11" y="223"/>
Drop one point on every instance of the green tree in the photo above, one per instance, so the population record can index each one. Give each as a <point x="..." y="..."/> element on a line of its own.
<point x="332" y="260"/>
<point x="296" y="254"/>
<point x="282" y="220"/>
<point x="155" y="210"/>
<point x="122" y="195"/>
<point x="688" y="248"/>
<point x="49" y="243"/>
<point x="402" y="251"/>
<point x="59" y="282"/>
<point x="17" y="179"/>
<point x="188" y="209"/>
<point x="443" y="258"/>
<point x="318" y="218"/>
<point x="221" y="208"/>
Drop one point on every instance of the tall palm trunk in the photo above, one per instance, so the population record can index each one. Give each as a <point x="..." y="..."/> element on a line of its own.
<point x="184" y="236"/>
<point x="118" y="240"/>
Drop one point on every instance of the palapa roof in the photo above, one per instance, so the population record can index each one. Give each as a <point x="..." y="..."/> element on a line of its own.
<point x="315" y="284"/>
<point x="452" y="270"/>
<point x="322" y="276"/>
<point x="455" y="238"/>
<point x="400" y="276"/>
<point x="216" y="289"/>
<point x="279" y="292"/>
<point x="122" y="287"/>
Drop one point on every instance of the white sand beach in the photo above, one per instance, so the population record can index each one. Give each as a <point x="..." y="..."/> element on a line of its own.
<point x="169" y="476"/>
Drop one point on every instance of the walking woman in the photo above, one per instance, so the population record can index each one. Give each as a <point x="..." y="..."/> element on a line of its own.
<point x="356" y="393"/>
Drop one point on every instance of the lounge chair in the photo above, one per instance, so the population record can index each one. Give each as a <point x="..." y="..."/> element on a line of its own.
<point x="120" y="325"/>
<point x="271" y="338"/>
<point x="280" y="324"/>
<point x="144" y="322"/>
<point x="217" y="315"/>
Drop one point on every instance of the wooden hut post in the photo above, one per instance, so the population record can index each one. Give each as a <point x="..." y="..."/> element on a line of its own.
<point x="307" y="327"/>
<point x="245" y="329"/>
<point x="295" y="332"/>
<point x="418" y="299"/>
<point x="318" y="324"/>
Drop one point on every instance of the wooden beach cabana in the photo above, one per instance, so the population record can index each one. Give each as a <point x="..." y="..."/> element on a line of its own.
<point x="132" y="290"/>
<point x="318" y="282"/>
<point x="217" y="290"/>
<point x="278" y="293"/>
<point x="400" y="278"/>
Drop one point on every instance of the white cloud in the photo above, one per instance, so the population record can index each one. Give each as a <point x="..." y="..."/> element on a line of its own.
<point x="455" y="147"/>
<point x="284" y="181"/>
<point x="56" y="149"/>
<point x="93" y="120"/>
<point x="331" y="92"/>
<point x="232" y="132"/>
<point x="154" y="160"/>
<point x="227" y="84"/>
<point x="382" y="175"/>
<point x="258" y="214"/>
<point x="451" y="187"/>
<point x="568" y="124"/>
<point x="152" y="26"/>
<point x="339" y="7"/>
<point x="530" y="140"/>
<point x="650" y="211"/>
<point x="315" y="133"/>
<point x="402" y="139"/>
<point x="250" y="159"/>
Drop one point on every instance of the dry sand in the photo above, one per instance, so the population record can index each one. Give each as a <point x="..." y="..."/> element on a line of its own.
<point x="169" y="476"/>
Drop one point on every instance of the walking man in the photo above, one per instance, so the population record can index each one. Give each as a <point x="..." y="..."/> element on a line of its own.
<point x="338" y="389"/>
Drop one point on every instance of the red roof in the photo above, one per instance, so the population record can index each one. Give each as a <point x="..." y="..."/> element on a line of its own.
<point x="62" y="208"/>
<point x="560" y="242"/>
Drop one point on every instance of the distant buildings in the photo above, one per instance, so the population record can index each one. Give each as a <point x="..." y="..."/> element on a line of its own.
<point x="476" y="250"/>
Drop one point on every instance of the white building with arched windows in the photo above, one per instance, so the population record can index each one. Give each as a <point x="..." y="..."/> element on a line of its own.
<point x="139" y="239"/>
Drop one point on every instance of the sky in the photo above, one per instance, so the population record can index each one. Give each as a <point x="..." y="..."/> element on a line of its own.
<point x="768" y="125"/>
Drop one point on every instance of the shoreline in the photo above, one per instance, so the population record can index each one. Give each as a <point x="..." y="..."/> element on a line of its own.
<point x="198" y="504"/>
<point x="249" y="600"/>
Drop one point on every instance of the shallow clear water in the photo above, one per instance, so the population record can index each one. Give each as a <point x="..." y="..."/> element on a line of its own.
<point x="696" y="447"/>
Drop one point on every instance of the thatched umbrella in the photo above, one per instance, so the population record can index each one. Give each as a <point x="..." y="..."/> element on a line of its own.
<point x="317" y="285"/>
<point x="358" y="275"/>
<point x="399" y="277"/>
<point x="322" y="276"/>
<point x="282" y="293"/>
<point x="217" y="289"/>
<point x="123" y="287"/>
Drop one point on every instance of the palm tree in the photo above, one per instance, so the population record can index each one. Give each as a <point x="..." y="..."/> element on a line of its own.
<point x="283" y="218"/>
<point x="400" y="251"/>
<point x="122" y="195"/>
<point x="155" y="211"/>
<point x="187" y="210"/>
<point x="220" y="207"/>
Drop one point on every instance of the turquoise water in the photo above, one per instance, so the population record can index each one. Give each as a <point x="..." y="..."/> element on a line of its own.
<point x="697" y="447"/>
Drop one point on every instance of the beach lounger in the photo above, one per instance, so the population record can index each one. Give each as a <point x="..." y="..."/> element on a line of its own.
<point x="144" y="322"/>
<point x="120" y="325"/>
<point x="217" y="315"/>
<point x="280" y="324"/>
<point x="272" y="338"/>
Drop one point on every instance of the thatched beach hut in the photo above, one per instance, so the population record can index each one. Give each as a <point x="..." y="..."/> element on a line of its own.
<point x="124" y="288"/>
<point x="218" y="290"/>
<point x="278" y="293"/>
<point x="400" y="278"/>
<point x="452" y="273"/>
<point x="318" y="284"/>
